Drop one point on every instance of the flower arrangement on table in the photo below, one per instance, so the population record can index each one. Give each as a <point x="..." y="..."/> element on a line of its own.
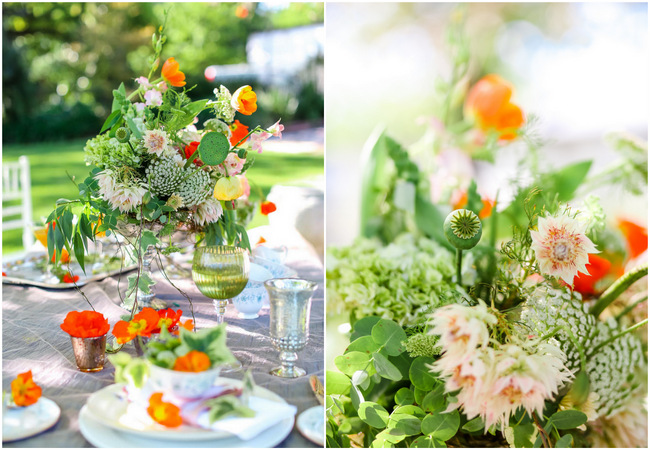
<point x="475" y="324"/>
<point x="156" y="172"/>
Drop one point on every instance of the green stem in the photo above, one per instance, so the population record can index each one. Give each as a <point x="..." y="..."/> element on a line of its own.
<point x="621" y="334"/>
<point x="459" y="263"/>
<point x="616" y="289"/>
<point x="631" y="307"/>
<point x="257" y="128"/>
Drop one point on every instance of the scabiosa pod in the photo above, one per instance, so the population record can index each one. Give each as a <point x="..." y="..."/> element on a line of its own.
<point x="562" y="247"/>
<point x="463" y="229"/>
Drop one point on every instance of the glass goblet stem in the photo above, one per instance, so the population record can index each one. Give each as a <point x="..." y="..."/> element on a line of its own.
<point x="220" y="307"/>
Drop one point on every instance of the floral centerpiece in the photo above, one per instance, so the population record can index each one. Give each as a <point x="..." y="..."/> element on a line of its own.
<point x="477" y="324"/>
<point x="156" y="171"/>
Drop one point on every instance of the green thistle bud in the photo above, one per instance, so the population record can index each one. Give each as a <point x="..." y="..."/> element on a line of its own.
<point x="123" y="135"/>
<point x="463" y="229"/>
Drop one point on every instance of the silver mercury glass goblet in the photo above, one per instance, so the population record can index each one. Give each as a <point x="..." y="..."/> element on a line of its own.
<point x="290" y="300"/>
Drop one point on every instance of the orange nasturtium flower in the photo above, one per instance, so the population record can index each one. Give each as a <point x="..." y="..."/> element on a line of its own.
<point x="194" y="361"/>
<point x="267" y="208"/>
<point x="24" y="391"/>
<point x="598" y="268"/>
<point x="486" y="212"/>
<point x="237" y="132"/>
<point x="142" y="324"/>
<point x="164" y="413"/>
<point x="188" y="325"/>
<point x="488" y="105"/>
<point x="169" y="318"/>
<point x="85" y="324"/>
<point x="171" y="74"/>
<point x="244" y="100"/>
<point x="635" y="235"/>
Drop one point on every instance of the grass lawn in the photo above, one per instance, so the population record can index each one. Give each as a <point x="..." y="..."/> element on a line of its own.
<point x="50" y="161"/>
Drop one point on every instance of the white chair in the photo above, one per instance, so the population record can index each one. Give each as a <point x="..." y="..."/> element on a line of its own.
<point x="17" y="185"/>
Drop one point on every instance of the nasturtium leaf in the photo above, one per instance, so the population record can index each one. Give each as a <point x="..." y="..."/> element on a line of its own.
<point x="363" y="344"/>
<point x="410" y="409"/>
<point x="385" y="368"/>
<point x="441" y="426"/>
<point x="336" y="383"/>
<point x="373" y="414"/>
<point x="363" y="327"/>
<point x="476" y="424"/>
<point x="428" y="442"/>
<point x="564" y="442"/>
<point x="404" y="397"/>
<point x="353" y="361"/>
<point x="389" y="334"/>
<point x="568" y="419"/>
<point x="406" y="423"/>
<point x="420" y="374"/>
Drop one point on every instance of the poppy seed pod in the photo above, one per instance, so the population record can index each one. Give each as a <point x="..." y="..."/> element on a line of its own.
<point x="463" y="229"/>
<point x="123" y="135"/>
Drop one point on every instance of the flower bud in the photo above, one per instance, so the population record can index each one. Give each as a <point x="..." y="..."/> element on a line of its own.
<point x="463" y="229"/>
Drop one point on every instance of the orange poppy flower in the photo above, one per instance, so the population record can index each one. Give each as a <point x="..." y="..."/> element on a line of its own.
<point x="261" y="240"/>
<point x="85" y="324"/>
<point x="244" y="100"/>
<point x="188" y="325"/>
<point x="68" y="278"/>
<point x="169" y="318"/>
<point x="267" y="208"/>
<point x="171" y="74"/>
<point x="635" y="235"/>
<point x="194" y="361"/>
<point x="486" y="212"/>
<point x="238" y="132"/>
<point x="598" y="268"/>
<point x="24" y="391"/>
<point x="143" y="324"/>
<point x="164" y="413"/>
<point x="488" y="104"/>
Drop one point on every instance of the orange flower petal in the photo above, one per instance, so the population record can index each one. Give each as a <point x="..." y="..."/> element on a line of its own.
<point x="194" y="361"/>
<point x="122" y="333"/>
<point x="171" y="73"/>
<point x="246" y="100"/>
<point x="24" y="391"/>
<point x="238" y="131"/>
<point x="598" y="267"/>
<point x="164" y="413"/>
<point x="85" y="324"/>
<point x="267" y="208"/>
<point x="635" y="235"/>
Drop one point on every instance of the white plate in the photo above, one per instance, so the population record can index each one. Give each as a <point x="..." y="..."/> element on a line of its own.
<point x="311" y="424"/>
<point x="21" y="423"/>
<point x="109" y="408"/>
<point x="105" y="437"/>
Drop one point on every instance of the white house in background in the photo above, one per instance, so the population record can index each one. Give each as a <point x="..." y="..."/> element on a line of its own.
<point x="276" y="57"/>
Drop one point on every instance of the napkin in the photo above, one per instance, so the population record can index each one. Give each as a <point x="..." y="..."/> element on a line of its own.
<point x="268" y="413"/>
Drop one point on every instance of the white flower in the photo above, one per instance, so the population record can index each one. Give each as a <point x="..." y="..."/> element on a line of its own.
<point x="208" y="212"/>
<point x="561" y="247"/>
<point x="143" y="81"/>
<point x="257" y="139"/>
<point x="125" y="197"/>
<point x="139" y="106"/>
<point x="276" y="129"/>
<point x="625" y="429"/>
<point x="462" y="329"/>
<point x="106" y="183"/>
<point x="223" y="107"/>
<point x="153" y="98"/>
<point x="155" y="141"/>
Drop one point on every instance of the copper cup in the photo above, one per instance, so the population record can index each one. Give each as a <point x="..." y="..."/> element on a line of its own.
<point x="89" y="353"/>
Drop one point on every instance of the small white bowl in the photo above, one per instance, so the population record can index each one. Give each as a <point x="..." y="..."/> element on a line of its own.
<point x="181" y="384"/>
<point x="250" y="301"/>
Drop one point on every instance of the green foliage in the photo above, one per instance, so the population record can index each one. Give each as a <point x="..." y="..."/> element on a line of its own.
<point x="227" y="406"/>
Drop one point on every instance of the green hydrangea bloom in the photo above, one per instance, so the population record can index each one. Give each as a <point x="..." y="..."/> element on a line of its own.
<point x="106" y="152"/>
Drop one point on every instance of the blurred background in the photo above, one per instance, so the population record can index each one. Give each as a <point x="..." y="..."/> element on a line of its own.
<point x="61" y="62"/>
<point x="581" y="68"/>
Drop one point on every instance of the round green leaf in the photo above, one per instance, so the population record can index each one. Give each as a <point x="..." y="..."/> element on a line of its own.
<point x="364" y="344"/>
<point x="410" y="409"/>
<point x="385" y="368"/>
<point x="391" y="435"/>
<point x="363" y="327"/>
<point x="404" y="396"/>
<point x="353" y="361"/>
<point x="214" y="148"/>
<point x="336" y="383"/>
<point x="568" y="419"/>
<point x="564" y="441"/>
<point x="428" y="442"/>
<point x="406" y="423"/>
<point x="373" y="414"/>
<point x="420" y="375"/>
<point x="390" y="335"/>
<point x="434" y="400"/>
<point x="441" y="426"/>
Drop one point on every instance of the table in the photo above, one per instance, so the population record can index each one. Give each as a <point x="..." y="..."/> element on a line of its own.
<point x="32" y="340"/>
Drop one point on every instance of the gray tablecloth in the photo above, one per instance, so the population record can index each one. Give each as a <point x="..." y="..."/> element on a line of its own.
<point x="32" y="340"/>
